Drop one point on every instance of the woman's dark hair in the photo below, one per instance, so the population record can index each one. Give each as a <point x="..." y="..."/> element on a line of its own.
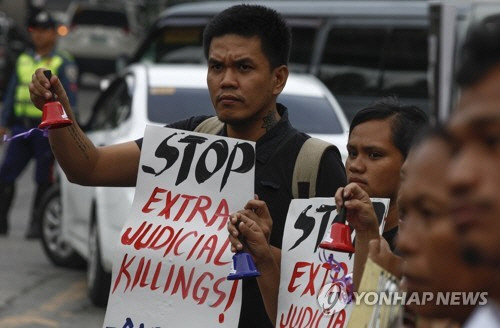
<point x="406" y="121"/>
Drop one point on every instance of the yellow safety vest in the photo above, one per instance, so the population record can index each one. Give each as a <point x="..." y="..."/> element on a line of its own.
<point x="25" y="67"/>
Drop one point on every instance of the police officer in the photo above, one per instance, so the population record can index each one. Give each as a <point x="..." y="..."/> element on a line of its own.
<point x="19" y="115"/>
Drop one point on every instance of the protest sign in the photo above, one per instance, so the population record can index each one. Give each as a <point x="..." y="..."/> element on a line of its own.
<point x="310" y="275"/>
<point x="174" y="254"/>
<point x="366" y="314"/>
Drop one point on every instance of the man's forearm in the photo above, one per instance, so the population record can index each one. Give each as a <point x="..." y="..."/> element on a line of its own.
<point x="75" y="153"/>
<point x="269" y="283"/>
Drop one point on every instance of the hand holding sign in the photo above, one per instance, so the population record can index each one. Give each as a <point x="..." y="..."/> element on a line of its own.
<point x="247" y="235"/>
<point x="256" y="243"/>
<point x="360" y="212"/>
<point x="253" y="225"/>
<point x="240" y="226"/>
<point x="258" y="211"/>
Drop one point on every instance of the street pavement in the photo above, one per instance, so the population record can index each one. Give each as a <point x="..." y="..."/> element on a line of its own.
<point x="34" y="293"/>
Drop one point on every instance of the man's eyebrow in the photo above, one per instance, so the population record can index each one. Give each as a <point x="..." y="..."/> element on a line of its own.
<point x="364" y="146"/>
<point x="474" y="124"/>
<point x="480" y="123"/>
<point x="238" y="61"/>
<point x="243" y="60"/>
<point x="373" y="147"/>
<point x="213" y="61"/>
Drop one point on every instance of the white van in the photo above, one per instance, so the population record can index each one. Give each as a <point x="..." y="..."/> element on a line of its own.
<point x="361" y="50"/>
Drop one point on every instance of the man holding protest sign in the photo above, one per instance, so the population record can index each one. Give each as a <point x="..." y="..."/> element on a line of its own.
<point x="247" y="49"/>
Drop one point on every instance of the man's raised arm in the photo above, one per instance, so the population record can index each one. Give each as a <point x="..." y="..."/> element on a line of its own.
<point x="83" y="162"/>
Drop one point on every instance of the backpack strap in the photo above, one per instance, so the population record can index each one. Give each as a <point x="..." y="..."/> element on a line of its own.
<point x="305" y="172"/>
<point x="211" y="125"/>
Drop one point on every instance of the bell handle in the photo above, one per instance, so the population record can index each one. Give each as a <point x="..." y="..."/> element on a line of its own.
<point x="48" y="75"/>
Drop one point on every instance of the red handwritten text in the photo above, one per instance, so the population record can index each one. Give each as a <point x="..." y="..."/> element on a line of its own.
<point x="310" y="277"/>
<point x="178" y="243"/>
<point x="193" y="283"/>
<point x="194" y="205"/>
<point x="307" y="317"/>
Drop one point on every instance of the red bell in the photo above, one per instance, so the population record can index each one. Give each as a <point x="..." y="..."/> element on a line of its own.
<point x="340" y="234"/>
<point x="54" y="116"/>
<point x="339" y="239"/>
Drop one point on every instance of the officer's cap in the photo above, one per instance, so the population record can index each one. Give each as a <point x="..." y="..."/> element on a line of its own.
<point x="42" y="19"/>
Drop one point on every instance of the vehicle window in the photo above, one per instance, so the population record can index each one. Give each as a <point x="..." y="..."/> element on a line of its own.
<point x="352" y="58"/>
<point x="302" y="48"/>
<point x="373" y="63"/>
<point x="100" y="17"/>
<point x="307" y="114"/>
<point x="311" y="114"/>
<point x="405" y="63"/>
<point x="112" y="107"/>
<point x="176" y="44"/>
<point x="167" y="105"/>
<point x="183" y="44"/>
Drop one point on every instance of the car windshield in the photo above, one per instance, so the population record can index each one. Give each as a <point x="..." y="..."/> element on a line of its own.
<point x="307" y="114"/>
<point x="183" y="44"/>
<point x="311" y="114"/>
<point x="100" y="17"/>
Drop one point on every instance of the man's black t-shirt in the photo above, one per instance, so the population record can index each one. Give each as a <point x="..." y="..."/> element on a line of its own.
<point x="273" y="184"/>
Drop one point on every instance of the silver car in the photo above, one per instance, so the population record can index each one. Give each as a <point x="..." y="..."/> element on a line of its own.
<point x="99" y="33"/>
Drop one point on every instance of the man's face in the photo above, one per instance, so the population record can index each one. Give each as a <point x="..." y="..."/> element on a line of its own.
<point x="427" y="237"/>
<point x="43" y="37"/>
<point x="474" y="172"/>
<point x="242" y="86"/>
<point x="373" y="161"/>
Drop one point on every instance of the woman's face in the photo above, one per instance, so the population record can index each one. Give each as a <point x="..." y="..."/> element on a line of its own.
<point x="373" y="160"/>
<point x="427" y="237"/>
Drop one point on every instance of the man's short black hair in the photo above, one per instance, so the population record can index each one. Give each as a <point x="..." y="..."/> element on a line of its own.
<point x="406" y="121"/>
<point x="253" y="20"/>
<point x="480" y="51"/>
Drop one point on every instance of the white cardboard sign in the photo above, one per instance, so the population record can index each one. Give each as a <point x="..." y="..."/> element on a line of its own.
<point x="174" y="254"/>
<point x="308" y="271"/>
